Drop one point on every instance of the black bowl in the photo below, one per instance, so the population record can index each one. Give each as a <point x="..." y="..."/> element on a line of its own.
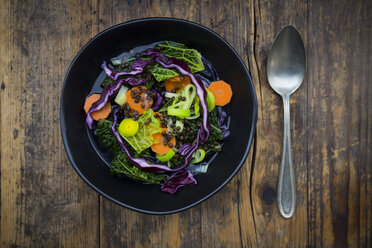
<point x="91" y="165"/>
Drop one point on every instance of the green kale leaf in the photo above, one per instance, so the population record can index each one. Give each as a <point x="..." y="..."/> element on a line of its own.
<point x="106" y="137"/>
<point x="121" y="165"/>
<point x="107" y="81"/>
<point x="190" y="130"/>
<point x="149" y="84"/>
<point x="144" y="153"/>
<point x="216" y="133"/>
<point x="174" y="162"/>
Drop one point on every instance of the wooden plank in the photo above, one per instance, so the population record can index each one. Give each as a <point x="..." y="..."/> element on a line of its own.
<point x="11" y="148"/>
<point x="272" y="230"/>
<point x="121" y="227"/>
<point x="131" y="229"/>
<point x="200" y="223"/>
<point x="340" y="119"/>
<point x="227" y="219"/>
<point x="44" y="203"/>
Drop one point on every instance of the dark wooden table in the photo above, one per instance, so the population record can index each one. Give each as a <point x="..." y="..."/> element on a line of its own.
<point x="45" y="204"/>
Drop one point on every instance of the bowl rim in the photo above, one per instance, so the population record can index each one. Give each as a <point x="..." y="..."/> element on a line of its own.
<point x="251" y="135"/>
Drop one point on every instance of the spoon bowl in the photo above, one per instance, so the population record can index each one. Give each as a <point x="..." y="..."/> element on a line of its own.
<point x="286" y="62"/>
<point x="286" y="66"/>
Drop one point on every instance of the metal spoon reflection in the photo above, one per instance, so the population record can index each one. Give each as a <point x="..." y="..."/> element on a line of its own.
<point x="285" y="71"/>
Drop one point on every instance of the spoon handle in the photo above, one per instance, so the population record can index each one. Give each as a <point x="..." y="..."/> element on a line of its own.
<point x="286" y="183"/>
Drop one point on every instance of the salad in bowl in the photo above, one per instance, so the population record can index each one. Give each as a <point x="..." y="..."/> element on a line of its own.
<point x="162" y="113"/>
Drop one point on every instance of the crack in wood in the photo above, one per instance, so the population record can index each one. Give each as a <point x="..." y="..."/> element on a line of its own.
<point x="41" y="39"/>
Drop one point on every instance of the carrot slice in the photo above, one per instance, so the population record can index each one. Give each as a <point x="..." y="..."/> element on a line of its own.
<point x="222" y="92"/>
<point x="160" y="148"/>
<point x="177" y="83"/>
<point x="140" y="106"/>
<point x="100" y="114"/>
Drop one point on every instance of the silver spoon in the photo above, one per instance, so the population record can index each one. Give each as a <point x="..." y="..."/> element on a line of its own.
<point x="285" y="71"/>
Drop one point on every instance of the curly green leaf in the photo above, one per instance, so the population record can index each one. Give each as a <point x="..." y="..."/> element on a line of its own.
<point x="161" y="73"/>
<point x="121" y="165"/>
<point x="179" y="51"/>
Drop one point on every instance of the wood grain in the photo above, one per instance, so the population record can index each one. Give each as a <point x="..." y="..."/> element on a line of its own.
<point x="339" y="113"/>
<point x="45" y="204"/>
<point x="269" y="18"/>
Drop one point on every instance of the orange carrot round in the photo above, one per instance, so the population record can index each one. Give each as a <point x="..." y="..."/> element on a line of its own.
<point x="142" y="104"/>
<point x="160" y="148"/>
<point x="100" y="114"/>
<point x="222" y="92"/>
<point x="176" y="83"/>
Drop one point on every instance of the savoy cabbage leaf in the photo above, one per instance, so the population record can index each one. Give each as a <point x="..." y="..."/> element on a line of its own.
<point x="160" y="73"/>
<point x="181" y="52"/>
<point x="178" y="51"/>
<point x="143" y="138"/>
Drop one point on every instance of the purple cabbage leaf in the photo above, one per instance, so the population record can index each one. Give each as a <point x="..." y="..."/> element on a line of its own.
<point x="223" y="122"/>
<point x="177" y="180"/>
<point x="157" y="101"/>
<point x="210" y="69"/>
